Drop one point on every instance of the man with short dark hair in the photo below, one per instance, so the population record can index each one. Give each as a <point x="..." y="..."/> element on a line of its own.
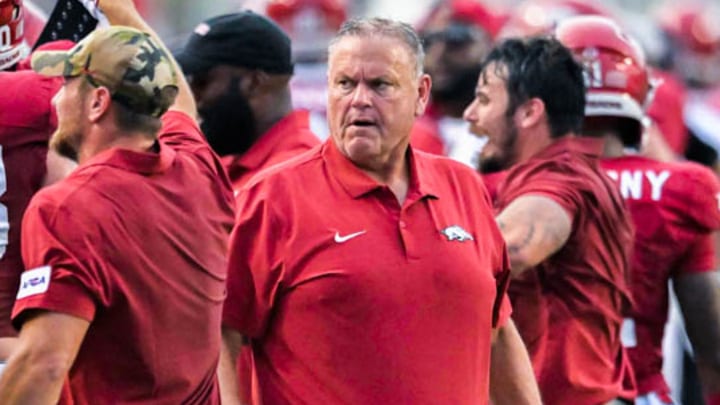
<point x="239" y="67"/>
<point x="122" y="297"/>
<point x="365" y="272"/>
<point x="567" y="229"/>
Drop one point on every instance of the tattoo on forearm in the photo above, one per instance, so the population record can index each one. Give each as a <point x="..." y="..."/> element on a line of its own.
<point x="517" y="247"/>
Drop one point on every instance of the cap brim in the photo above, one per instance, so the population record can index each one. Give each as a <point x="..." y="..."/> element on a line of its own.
<point x="52" y="63"/>
<point x="191" y="64"/>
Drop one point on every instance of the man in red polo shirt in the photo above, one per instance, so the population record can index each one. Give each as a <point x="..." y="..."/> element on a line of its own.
<point x="674" y="207"/>
<point x="239" y="67"/>
<point x="567" y="230"/>
<point x="122" y="297"/>
<point x="365" y="272"/>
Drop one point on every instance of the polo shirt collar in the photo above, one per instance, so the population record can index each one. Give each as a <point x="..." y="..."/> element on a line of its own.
<point x="583" y="145"/>
<point x="133" y="161"/>
<point x="356" y="183"/>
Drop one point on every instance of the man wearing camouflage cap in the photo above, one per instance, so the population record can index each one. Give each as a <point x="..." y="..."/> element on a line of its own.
<point x="125" y="258"/>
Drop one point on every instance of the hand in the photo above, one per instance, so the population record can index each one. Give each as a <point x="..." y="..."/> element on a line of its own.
<point x="111" y="8"/>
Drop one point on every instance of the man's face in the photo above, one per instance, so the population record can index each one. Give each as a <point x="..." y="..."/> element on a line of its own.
<point x="453" y="60"/>
<point x="374" y="96"/>
<point x="488" y="116"/>
<point x="226" y="117"/>
<point x="71" y="111"/>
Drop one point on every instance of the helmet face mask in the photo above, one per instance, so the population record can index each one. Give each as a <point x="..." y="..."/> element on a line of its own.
<point x="12" y="45"/>
<point x="616" y="75"/>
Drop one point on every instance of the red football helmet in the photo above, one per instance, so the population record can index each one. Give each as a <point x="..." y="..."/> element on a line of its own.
<point x="616" y="75"/>
<point x="12" y="45"/>
<point x="539" y="17"/>
<point x="309" y="23"/>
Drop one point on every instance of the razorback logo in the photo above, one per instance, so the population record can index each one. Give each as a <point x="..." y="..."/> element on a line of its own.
<point x="455" y="232"/>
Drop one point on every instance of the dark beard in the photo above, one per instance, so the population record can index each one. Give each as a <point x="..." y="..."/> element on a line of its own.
<point x="64" y="147"/>
<point x="493" y="164"/>
<point x="229" y="123"/>
<point x="459" y="90"/>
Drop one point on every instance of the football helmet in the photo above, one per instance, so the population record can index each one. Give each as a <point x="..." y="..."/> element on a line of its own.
<point x="12" y="44"/>
<point x="616" y="74"/>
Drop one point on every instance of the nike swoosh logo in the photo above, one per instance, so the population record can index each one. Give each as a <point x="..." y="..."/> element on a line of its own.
<point x="342" y="239"/>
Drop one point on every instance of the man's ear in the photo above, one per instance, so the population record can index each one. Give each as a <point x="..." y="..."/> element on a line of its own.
<point x="530" y="113"/>
<point x="424" y="85"/>
<point x="99" y="102"/>
<point x="252" y="81"/>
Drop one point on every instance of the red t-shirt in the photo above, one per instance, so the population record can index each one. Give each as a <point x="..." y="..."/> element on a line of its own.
<point x="570" y="308"/>
<point x="284" y="140"/>
<point x="348" y="297"/>
<point x="136" y="243"/>
<point x="675" y="210"/>
<point x="26" y="123"/>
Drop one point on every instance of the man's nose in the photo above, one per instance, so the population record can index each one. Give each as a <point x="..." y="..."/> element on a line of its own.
<point x="361" y="96"/>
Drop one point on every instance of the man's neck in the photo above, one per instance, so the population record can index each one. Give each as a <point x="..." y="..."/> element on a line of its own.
<point x="98" y="143"/>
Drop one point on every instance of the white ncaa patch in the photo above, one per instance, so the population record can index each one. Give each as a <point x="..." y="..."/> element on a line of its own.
<point x="33" y="282"/>
<point x="455" y="232"/>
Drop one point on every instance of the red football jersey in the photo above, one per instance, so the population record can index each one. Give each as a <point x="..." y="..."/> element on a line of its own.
<point x="26" y="123"/>
<point x="136" y="243"/>
<point x="675" y="210"/>
<point x="569" y="309"/>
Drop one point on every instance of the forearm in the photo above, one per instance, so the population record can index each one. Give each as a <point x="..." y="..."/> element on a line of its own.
<point x="29" y="380"/>
<point x="512" y="381"/>
<point x="227" y="369"/>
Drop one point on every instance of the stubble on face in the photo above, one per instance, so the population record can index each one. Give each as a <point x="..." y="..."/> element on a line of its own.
<point x="371" y="99"/>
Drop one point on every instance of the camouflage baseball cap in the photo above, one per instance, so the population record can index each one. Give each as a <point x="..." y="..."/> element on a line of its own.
<point x="135" y="69"/>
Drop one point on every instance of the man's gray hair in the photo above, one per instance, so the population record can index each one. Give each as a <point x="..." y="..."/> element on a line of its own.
<point x="383" y="27"/>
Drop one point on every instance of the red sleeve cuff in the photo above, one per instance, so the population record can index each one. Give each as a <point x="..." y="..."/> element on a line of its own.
<point x="71" y="299"/>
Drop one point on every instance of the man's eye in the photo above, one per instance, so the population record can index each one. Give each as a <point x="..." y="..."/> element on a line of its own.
<point x="345" y="84"/>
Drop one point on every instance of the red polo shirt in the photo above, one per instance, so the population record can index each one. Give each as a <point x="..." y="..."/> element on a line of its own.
<point x="675" y="210"/>
<point x="571" y="307"/>
<point x="136" y="244"/>
<point x="26" y="123"/>
<point x="287" y="138"/>
<point x="349" y="297"/>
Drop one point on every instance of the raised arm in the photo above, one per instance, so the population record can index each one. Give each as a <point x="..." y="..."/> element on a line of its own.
<point x="123" y="12"/>
<point x="534" y="227"/>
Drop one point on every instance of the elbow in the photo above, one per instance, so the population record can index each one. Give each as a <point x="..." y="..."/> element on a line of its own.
<point x="46" y="369"/>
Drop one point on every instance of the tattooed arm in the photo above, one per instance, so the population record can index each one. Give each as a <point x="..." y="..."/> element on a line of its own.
<point x="534" y="227"/>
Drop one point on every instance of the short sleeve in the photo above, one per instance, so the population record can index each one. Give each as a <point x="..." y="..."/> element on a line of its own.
<point x="549" y="179"/>
<point x="58" y="276"/>
<point x="256" y="266"/>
